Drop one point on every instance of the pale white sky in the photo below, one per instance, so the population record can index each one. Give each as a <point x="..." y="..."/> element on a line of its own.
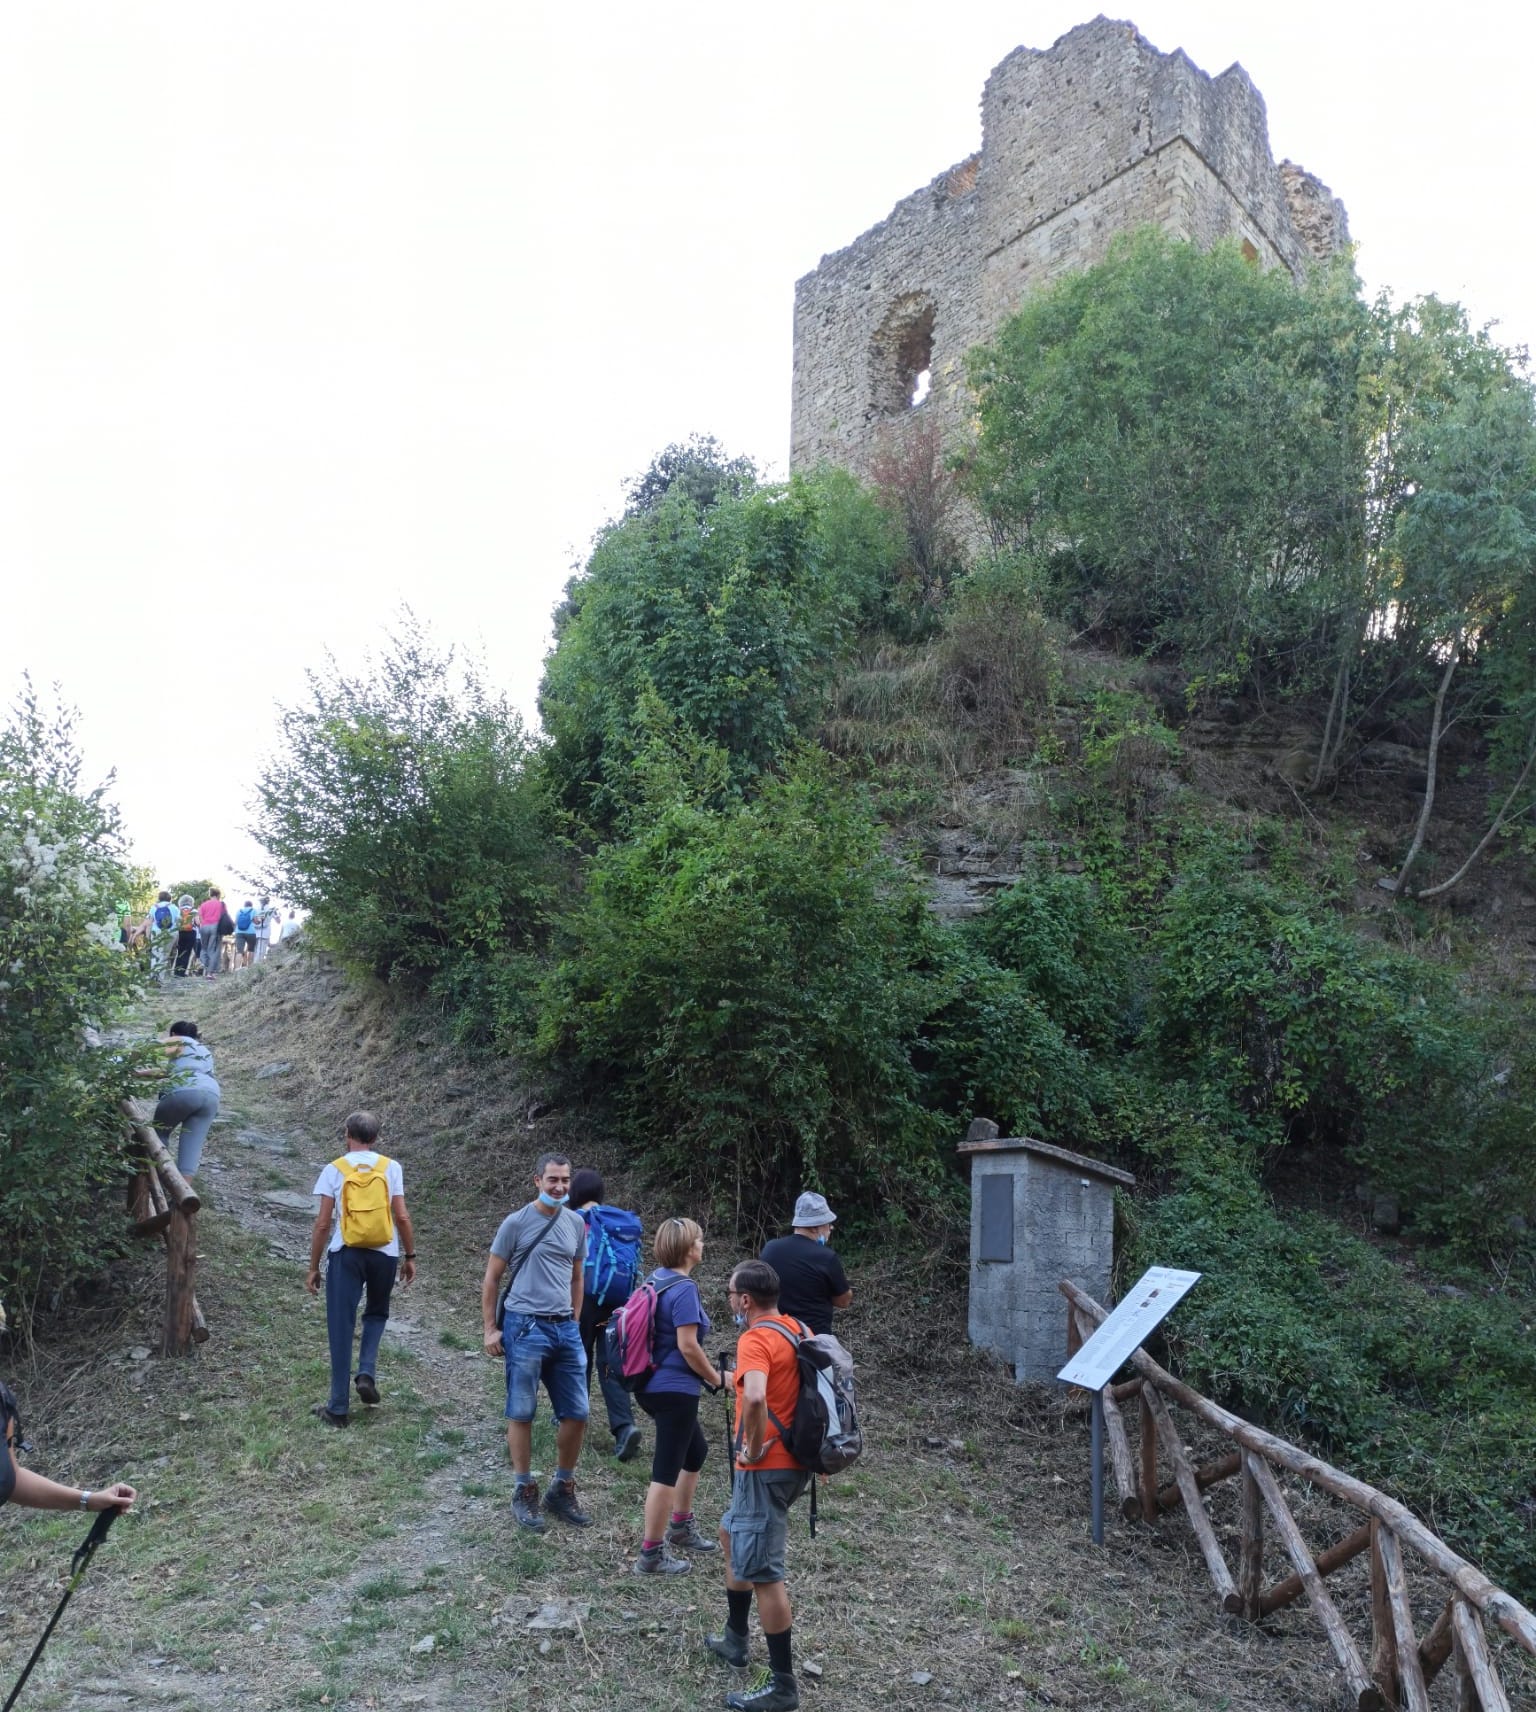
<point x="307" y="310"/>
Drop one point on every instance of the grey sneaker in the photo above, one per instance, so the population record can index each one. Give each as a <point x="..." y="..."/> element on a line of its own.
<point x="781" y="1693"/>
<point x="525" y="1507"/>
<point x="685" y="1537"/>
<point x="729" y="1646"/>
<point x="560" y="1500"/>
<point x="659" y="1561"/>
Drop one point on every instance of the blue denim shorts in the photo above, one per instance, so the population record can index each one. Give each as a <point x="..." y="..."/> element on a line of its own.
<point x="550" y="1350"/>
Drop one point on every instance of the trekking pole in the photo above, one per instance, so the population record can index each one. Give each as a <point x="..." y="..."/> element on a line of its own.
<point x="78" y="1565"/>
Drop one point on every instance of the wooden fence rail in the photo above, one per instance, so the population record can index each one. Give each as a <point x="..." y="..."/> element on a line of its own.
<point x="1400" y="1666"/>
<point x="161" y="1202"/>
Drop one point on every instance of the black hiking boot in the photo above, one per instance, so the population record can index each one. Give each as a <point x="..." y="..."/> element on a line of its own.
<point x="525" y="1509"/>
<point x="729" y="1647"/>
<point x="367" y="1389"/>
<point x="780" y="1693"/>
<point x="626" y="1442"/>
<point x="560" y="1500"/>
<point x="322" y="1412"/>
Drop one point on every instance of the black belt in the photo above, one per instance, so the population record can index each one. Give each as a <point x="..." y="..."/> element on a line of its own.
<point x="556" y="1317"/>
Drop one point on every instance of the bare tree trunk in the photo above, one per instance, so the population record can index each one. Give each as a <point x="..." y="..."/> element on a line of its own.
<point x="1498" y="821"/>
<point x="1333" y="730"/>
<point x="1436" y="731"/>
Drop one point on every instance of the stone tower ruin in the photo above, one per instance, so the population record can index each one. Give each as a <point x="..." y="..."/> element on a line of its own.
<point x="1096" y="135"/>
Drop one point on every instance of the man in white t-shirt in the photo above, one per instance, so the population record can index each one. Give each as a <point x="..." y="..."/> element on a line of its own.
<point x="290" y="930"/>
<point x="361" y="1221"/>
<point x="266" y="920"/>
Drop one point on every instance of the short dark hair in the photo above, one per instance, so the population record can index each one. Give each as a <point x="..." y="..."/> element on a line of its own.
<point x="757" y="1279"/>
<point x="586" y="1185"/>
<point x="187" y="1030"/>
<point x="545" y="1160"/>
<point x="363" y="1127"/>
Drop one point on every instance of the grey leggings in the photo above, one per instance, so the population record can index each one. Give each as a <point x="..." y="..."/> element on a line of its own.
<point x="194" y="1108"/>
<point x="208" y="946"/>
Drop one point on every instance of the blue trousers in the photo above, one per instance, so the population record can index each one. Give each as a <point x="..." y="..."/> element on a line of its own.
<point x="350" y="1274"/>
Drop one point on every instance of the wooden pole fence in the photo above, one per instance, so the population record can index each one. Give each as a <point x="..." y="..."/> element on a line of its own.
<point x="162" y="1203"/>
<point x="1401" y="1666"/>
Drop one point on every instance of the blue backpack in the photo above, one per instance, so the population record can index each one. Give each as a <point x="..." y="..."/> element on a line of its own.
<point x="165" y="917"/>
<point x="613" y="1255"/>
<point x="243" y="921"/>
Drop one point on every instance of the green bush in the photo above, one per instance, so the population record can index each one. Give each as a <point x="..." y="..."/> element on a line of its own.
<point x="741" y="982"/>
<point x="1428" y="1391"/>
<point x="404" y="815"/>
<point x="62" y="976"/>
<point x="1075" y="959"/>
<point x="989" y="1047"/>
<point x="731" y="613"/>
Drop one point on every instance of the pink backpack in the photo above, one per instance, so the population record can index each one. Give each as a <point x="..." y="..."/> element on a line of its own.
<point x="631" y="1335"/>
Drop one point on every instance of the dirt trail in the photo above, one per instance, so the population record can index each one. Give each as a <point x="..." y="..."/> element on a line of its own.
<point x="278" y="1563"/>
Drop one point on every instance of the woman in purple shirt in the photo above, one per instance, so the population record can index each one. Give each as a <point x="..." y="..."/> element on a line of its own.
<point x="671" y="1398"/>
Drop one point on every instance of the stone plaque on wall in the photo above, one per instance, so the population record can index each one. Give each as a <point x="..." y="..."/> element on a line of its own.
<point x="995" y="1189"/>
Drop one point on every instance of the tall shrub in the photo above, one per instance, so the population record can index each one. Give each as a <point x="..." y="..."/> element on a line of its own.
<point x="741" y="981"/>
<point x="402" y="812"/>
<point x="63" y="976"/>
<point x="730" y="607"/>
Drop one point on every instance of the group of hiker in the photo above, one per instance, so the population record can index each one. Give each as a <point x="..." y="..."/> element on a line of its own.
<point x="562" y="1298"/>
<point x="180" y="933"/>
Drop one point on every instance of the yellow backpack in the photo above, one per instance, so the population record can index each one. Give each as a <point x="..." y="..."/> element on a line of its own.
<point x="365" y="1217"/>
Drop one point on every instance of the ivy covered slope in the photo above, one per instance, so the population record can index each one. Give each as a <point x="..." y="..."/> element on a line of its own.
<point x="1217" y="648"/>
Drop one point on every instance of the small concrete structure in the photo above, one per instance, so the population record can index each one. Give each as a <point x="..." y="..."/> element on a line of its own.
<point x="1038" y="1214"/>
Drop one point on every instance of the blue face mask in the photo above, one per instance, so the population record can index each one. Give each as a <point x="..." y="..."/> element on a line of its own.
<point x="822" y="1239"/>
<point x="552" y="1200"/>
<point x="740" y="1319"/>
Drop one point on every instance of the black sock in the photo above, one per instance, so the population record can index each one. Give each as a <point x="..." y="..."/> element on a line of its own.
<point x="778" y="1652"/>
<point x="739" y="1606"/>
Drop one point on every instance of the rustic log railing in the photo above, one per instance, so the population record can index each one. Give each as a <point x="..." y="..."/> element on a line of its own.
<point x="161" y="1202"/>
<point x="1401" y="1666"/>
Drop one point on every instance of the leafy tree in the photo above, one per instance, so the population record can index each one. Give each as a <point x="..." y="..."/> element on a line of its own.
<point x="403" y="813"/>
<point x="698" y="470"/>
<point x="63" y="976"/>
<point x="1176" y="429"/>
<point x="731" y="615"/>
<point x="1464" y="541"/>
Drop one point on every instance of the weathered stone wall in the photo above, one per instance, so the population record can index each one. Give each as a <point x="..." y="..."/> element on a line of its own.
<point x="1097" y="135"/>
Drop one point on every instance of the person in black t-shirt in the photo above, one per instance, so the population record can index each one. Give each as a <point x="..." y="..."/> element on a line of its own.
<point x="811" y="1278"/>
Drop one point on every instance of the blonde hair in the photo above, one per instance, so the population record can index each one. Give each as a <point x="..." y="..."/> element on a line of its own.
<point x="675" y="1240"/>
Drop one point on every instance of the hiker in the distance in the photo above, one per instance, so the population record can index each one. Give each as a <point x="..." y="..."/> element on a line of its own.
<point x="767" y="1482"/>
<point x="266" y="921"/>
<point x="811" y="1278"/>
<point x="609" y="1273"/>
<point x="670" y="1396"/>
<point x="245" y="934"/>
<point x="210" y="913"/>
<point x="541" y="1246"/>
<point x="361" y="1224"/>
<point x="162" y="923"/>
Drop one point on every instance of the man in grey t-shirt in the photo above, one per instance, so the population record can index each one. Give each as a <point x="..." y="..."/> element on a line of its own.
<point x="543" y="1246"/>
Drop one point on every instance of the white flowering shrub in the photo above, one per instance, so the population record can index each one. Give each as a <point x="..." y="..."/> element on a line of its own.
<point x="63" y="977"/>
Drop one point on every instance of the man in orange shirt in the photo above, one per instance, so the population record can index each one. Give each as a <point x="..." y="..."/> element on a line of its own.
<point x="768" y="1481"/>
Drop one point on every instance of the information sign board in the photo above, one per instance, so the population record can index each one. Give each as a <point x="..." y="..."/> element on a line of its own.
<point x="1156" y="1293"/>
